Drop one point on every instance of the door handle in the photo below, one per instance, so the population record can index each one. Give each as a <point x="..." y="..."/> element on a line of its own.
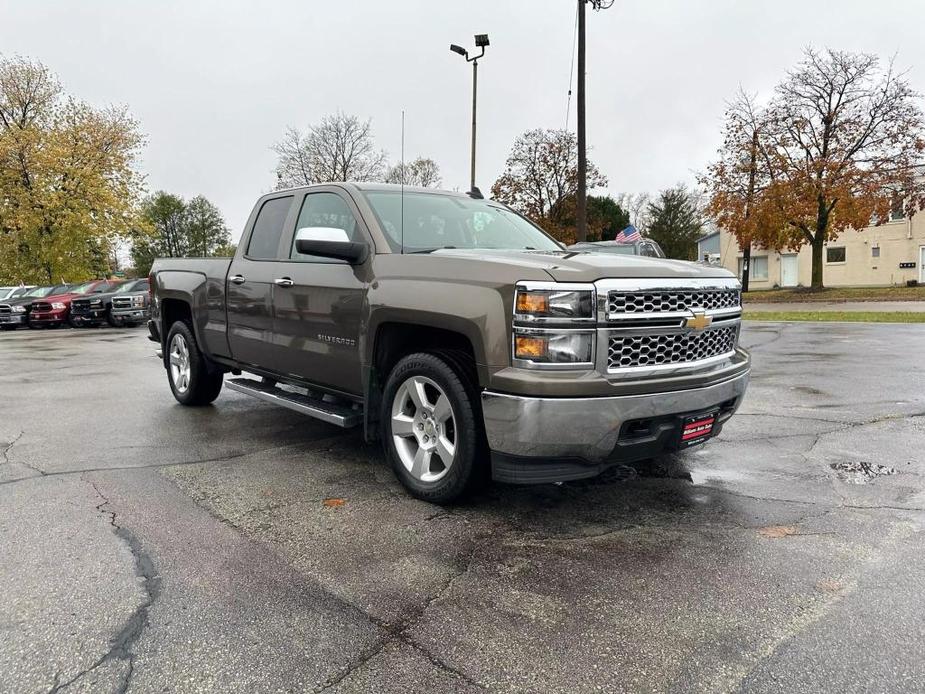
<point x="237" y="279"/>
<point x="283" y="282"/>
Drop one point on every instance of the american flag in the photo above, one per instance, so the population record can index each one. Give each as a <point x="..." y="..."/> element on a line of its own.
<point x="628" y="235"/>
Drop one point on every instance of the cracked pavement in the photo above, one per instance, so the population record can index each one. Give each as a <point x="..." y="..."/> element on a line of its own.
<point x="149" y="547"/>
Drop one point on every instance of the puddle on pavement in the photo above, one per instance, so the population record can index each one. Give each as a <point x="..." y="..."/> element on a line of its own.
<point x="860" y="472"/>
<point x="708" y="476"/>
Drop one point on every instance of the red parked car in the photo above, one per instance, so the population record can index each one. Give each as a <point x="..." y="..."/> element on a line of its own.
<point x="56" y="310"/>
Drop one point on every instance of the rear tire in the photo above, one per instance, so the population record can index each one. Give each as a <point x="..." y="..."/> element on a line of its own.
<point x="191" y="381"/>
<point x="432" y="429"/>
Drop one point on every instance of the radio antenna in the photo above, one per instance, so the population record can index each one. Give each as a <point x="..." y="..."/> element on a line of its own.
<point x="402" y="181"/>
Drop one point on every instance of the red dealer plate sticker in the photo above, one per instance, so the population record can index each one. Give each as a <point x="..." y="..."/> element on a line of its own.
<point x="697" y="429"/>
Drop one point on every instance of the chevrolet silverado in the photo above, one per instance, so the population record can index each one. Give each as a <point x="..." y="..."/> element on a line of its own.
<point x="457" y="332"/>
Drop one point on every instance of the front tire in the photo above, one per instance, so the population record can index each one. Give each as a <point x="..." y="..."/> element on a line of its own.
<point x="191" y="380"/>
<point x="431" y="430"/>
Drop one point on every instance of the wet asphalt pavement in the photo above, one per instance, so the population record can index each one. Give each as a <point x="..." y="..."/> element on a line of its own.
<point x="146" y="547"/>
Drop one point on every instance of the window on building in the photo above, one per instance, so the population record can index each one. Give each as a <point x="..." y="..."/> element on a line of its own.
<point x="897" y="210"/>
<point x="759" y="268"/>
<point x="835" y="254"/>
<point x="875" y="252"/>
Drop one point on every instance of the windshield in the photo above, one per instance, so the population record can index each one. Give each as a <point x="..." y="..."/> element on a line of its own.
<point x="435" y="221"/>
<point x="138" y="286"/>
<point x="6" y="291"/>
<point x="619" y="249"/>
<point x="39" y="291"/>
<point x="82" y="288"/>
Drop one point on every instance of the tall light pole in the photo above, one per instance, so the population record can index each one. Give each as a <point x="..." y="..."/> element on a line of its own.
<point x="481" y="40"/>
<point x="581" y="213"/>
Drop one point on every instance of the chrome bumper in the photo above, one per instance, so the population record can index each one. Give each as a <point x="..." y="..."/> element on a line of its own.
<point x="589" y="428"/>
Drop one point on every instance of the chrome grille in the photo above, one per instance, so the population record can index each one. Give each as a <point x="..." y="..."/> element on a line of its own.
<point x="6" y="308"/>
<point x="671" y="301"/>
<point x="122" y="302"/>
<point x="41" y="306"/>
<point x="633" y="351"/>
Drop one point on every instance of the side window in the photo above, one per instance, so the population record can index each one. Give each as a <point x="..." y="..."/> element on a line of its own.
<point x="324" y="210"/>
<point x="268" y="229"/>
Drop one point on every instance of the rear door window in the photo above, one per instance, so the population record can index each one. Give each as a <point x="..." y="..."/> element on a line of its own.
<point x="268" y="229"/>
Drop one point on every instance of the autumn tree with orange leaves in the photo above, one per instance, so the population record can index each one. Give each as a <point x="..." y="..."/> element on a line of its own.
<point x="540" y="180"/>
<point x="839" y="141"/>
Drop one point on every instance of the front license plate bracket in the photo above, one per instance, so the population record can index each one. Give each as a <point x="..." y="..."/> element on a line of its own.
<point x="696" y="428"/>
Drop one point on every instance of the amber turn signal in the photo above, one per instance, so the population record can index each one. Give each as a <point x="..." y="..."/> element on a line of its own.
<point x="528" y="347"/>
<point x="532" y="302"/>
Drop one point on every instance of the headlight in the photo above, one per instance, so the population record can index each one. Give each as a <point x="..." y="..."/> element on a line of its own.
<point x="554" y="347"/>
<point x="138" y="301"/>
<point x="95" y="302"/>
<point x="565" y="302"/>
<point x="58" y="306"/>
<point x="19" y="309"/>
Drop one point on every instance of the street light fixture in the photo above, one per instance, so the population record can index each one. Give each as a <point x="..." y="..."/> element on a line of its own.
<point x="481" y="41"/>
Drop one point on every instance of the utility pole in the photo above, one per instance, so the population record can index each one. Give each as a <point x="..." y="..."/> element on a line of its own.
<point x="749" y="197"/>
<point x="581" y="213"/>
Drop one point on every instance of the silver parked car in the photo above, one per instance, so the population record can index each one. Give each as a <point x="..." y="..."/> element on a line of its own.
<point x="645" y="247"/>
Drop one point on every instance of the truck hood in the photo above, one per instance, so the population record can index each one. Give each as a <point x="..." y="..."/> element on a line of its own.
<point x="21" y="301"/>
<point x="578" y="266"/>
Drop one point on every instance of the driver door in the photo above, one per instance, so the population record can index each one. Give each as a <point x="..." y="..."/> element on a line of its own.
<point x="319" y="302"/>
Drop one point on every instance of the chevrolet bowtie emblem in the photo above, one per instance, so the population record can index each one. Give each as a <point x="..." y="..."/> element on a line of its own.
<point x="698" y="321"/>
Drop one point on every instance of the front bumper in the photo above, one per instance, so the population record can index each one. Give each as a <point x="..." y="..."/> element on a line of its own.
<point x="556" y="439"/>
<point x="91" y="316"/>
<point x="13" y="319"/>
<point x="130" y="314"/>
<point x="48" y="317"/>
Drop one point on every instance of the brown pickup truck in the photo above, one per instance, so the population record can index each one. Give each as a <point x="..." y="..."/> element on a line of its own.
<point x="456" y="332"/>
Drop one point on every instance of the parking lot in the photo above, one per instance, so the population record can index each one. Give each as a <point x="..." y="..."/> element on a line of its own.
<point x="241" y="547"/>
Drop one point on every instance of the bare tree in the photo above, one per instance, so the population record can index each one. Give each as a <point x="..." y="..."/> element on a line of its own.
<point x="339" y="148"/>
<point x="637" y="205"/>
<point x="422" y="172"/>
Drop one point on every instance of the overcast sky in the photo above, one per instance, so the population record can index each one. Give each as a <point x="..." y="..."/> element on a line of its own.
<point x="214" y="84"/>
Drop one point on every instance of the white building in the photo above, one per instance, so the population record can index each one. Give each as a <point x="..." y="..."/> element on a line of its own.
<point x="890" y="254"/>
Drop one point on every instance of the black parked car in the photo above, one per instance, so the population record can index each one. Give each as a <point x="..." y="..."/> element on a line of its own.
<point x="15" y="312"/>
<point x="94" y="309"/>
<point x="130" y="303"/>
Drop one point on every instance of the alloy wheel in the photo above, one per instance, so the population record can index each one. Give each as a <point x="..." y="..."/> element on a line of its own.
<point x="179" y="363"/>
<point x="424" y="429"/>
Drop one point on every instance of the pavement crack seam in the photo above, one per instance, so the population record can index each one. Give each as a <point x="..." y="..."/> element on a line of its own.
<point x="398" y="630"/>
<point x="155" y="466"/>
<point x="120" y="645"/>
<point x="5" y="454"/>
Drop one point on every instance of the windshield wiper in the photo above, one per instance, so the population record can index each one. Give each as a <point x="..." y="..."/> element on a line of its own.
<point x="429" y="250"/>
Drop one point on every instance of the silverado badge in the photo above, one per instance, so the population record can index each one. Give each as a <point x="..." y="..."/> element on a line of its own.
<point x="698" y="321"/>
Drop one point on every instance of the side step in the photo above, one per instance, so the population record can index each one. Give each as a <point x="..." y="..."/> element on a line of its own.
<point x="339" y="415"/>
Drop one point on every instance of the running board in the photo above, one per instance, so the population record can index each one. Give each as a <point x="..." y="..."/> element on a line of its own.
<point x="338" y="415"/>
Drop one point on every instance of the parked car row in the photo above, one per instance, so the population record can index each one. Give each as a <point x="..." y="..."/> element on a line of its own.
<point x="113" y="302"/>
